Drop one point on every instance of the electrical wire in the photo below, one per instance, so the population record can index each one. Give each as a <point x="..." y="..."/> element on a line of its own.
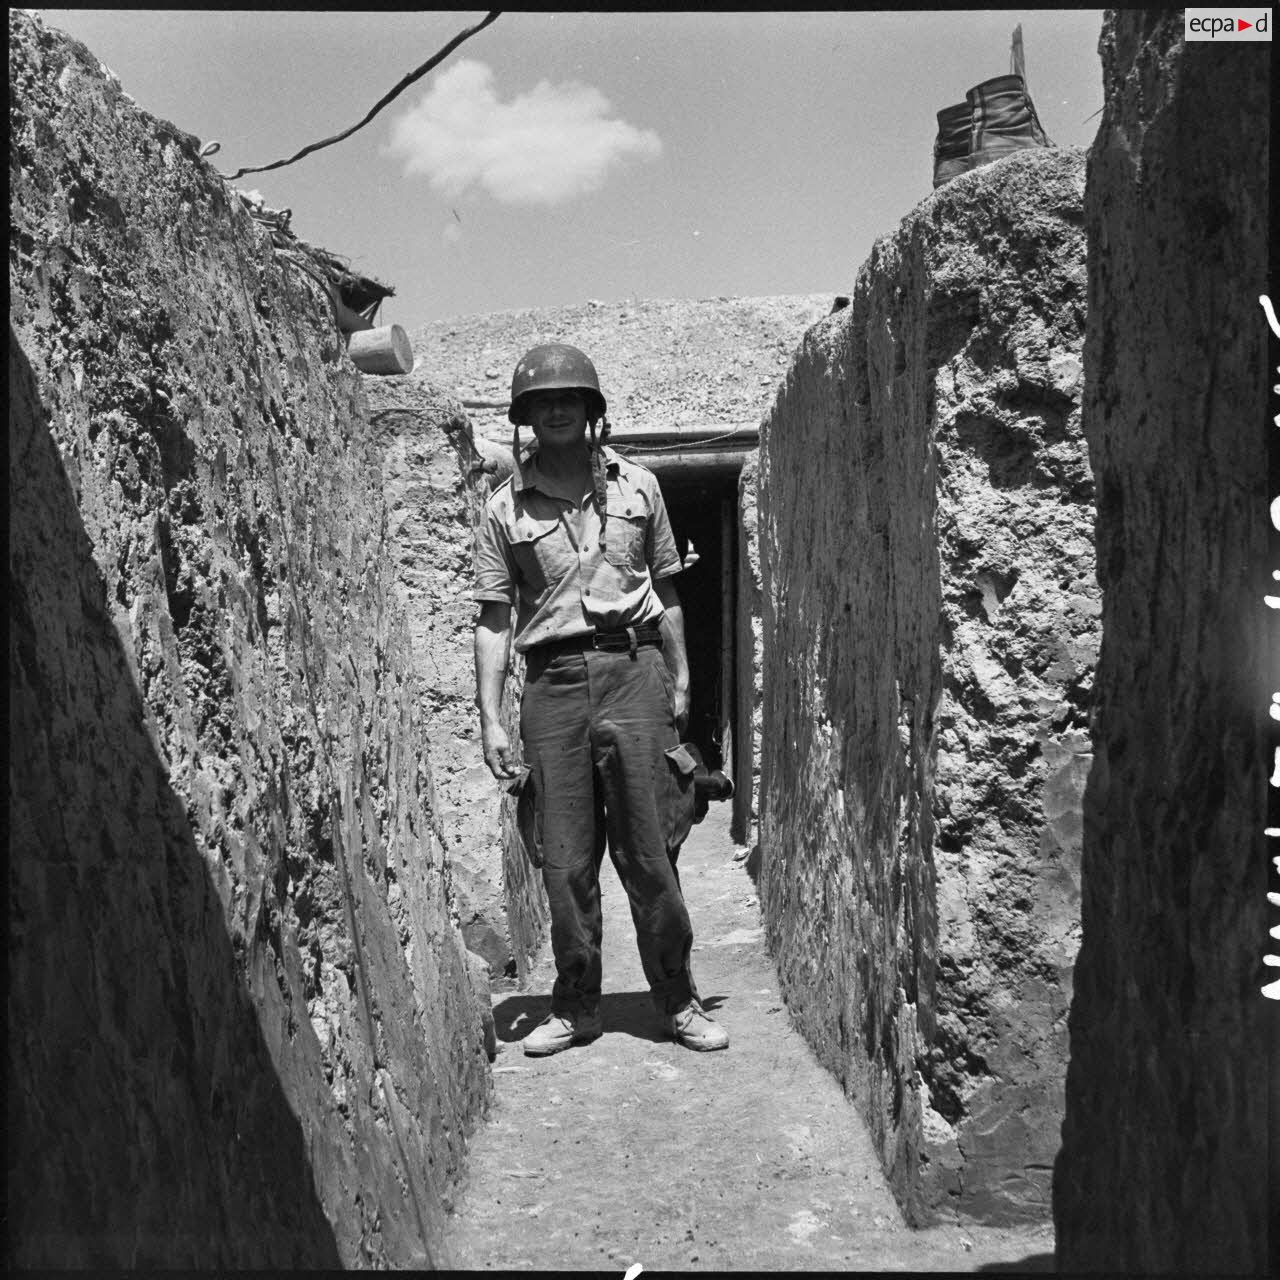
<point x="382" y="102"/>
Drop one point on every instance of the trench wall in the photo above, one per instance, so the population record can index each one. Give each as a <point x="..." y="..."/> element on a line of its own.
<point x="930" y="626"/>
<point x="437" y="476"/>
<point x="241" y="1031"/>
<point x="1164" y="1157"/>
<point x="749" y="646"/>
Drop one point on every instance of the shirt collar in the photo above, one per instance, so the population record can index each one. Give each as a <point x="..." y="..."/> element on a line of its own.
<point x="527" y="475"/>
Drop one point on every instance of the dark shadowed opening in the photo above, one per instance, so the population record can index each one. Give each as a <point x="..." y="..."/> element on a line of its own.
<point x="701" y="492"/>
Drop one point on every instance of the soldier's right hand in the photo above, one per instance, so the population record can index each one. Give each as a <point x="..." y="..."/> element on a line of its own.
<point x="497" y="752"/>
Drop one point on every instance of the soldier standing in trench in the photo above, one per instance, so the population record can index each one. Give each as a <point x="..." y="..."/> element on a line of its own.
<point x="578" y="539"/>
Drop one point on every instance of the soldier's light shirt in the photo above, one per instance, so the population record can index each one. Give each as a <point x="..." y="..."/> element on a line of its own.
<point x="540" y="547"/>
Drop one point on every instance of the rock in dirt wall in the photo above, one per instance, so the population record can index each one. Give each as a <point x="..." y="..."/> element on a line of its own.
<point x="1164" y="1158"/>
<point x="240" y="1028"/>
<point x="436" y="477"/>
<point x="930" y="624"/>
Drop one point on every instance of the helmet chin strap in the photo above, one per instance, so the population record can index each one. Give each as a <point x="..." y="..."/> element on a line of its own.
<point x="515" y="454"/>
<point x="598" y="479"/>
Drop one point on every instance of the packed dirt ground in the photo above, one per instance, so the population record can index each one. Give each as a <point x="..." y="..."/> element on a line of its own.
<point x="633" y="1149"/>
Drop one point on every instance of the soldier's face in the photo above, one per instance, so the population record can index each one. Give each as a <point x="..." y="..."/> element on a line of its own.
<point x="558" y="418"/>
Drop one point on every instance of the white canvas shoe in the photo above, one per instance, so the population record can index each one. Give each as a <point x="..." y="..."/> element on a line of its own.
<point x="558" y="1031"/>
<point x="692" y="1028"/>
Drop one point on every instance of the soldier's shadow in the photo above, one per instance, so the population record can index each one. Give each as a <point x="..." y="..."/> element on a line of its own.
<point x="629" y="1013"/>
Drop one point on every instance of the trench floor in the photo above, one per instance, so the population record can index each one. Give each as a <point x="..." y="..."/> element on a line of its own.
<point x="634" y="1150"/>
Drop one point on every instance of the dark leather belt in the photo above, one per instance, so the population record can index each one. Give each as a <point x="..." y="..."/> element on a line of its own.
<point x="626" y="640"/>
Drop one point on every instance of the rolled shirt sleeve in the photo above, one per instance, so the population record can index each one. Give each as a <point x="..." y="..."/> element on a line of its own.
<point x="660" y="543"/>
<point x="493" y="563"/>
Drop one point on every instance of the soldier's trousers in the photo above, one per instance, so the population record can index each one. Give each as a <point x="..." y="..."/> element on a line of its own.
<point x="604" y="759"/>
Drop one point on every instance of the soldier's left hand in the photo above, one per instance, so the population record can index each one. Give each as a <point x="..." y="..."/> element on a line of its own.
<point x="681" y="709"/>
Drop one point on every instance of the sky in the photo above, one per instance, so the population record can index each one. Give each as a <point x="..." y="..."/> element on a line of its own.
<point x="555" y="158"/>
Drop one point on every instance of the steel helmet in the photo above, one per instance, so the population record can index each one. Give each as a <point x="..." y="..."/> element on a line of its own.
<point x="556" y="366"/>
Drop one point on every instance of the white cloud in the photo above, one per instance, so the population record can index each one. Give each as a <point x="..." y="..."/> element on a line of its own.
<point x="543" y="147"/>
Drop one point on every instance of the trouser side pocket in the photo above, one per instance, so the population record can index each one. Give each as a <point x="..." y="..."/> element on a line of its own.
<point x="678" y="816"/>
<point x="528" y="818"/>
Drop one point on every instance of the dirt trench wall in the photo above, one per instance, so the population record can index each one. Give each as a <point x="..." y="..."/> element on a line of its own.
<point x="436" y="476"/>
<point x="750" y="665"/>
<point x="930" y="625"/>
<point x="1164" y="1159"/>
<point x="240" y="1027"/>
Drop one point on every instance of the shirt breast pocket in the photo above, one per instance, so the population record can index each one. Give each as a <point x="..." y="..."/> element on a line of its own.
<point x="541" y="553"/>
<point x="624" y="532"/>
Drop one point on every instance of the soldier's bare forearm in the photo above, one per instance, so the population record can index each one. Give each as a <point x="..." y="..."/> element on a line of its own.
<point x="673" y="647"/>
<point x="492" y="651"/>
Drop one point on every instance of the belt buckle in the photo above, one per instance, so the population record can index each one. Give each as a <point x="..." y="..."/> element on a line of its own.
<point x="608" y="641"/>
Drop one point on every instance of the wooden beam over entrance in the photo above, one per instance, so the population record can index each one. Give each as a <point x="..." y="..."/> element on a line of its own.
<point x="695" y="454"/>
<point x="692" y="465"/>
